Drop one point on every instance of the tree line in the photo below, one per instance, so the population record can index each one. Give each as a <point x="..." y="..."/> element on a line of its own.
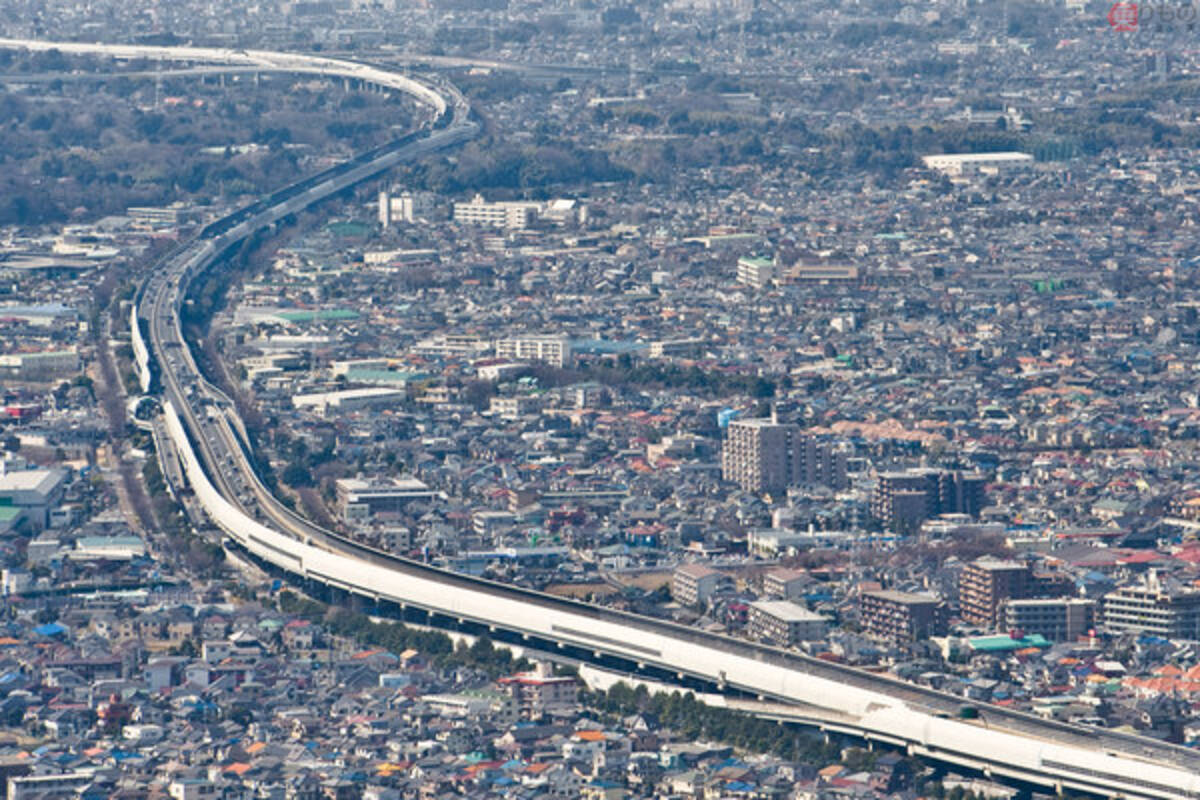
<point x="396" y="637"/>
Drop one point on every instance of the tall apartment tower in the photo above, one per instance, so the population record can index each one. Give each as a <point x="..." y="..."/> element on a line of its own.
<point x="402" y="208"/>
<point x="987" y="583"/>
<point x="903" y="500"/>
<point x="762" y="455"/>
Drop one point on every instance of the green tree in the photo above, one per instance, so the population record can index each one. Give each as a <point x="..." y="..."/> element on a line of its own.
<point x="297" y="475"/>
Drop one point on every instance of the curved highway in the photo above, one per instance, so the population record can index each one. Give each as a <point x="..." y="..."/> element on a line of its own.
<point x="204" y="428"/>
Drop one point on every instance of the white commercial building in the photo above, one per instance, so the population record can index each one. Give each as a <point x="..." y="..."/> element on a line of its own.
<point x="513" y="215"/>
<point x="360" y="500"/>
<point x="35" y="491"/>
<point x="400" y="258"/>
<point x="956" y="164"/>
<point x="348" y="400"/>
<point x="108" y="548"/>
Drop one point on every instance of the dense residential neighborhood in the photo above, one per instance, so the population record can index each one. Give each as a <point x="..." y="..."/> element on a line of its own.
<point x="865" y="331"/>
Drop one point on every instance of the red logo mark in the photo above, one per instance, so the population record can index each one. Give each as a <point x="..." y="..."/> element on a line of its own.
<point x="1123" y="17"/>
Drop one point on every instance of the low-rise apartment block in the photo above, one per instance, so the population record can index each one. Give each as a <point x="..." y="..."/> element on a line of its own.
<point x="785" y="623"/>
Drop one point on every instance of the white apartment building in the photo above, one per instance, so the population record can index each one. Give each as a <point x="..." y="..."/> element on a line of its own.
<point x="554" y="350"/>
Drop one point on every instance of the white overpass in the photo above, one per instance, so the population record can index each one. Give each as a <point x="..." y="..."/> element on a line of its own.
<point x="264" y="59"/>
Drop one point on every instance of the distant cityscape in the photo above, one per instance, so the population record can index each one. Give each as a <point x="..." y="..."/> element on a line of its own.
<point x="863" y="335"/>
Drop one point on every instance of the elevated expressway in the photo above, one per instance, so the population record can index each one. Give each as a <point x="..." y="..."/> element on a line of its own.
<point x="213" y="456"/>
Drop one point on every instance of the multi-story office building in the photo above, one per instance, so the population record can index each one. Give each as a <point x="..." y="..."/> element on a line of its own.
<point x="1156" y="605"/>
<point x="785" y="623"/>
<point x="903" y="500"/>
<point x="902" y="616"/>
<point x="1059" y="619"/>
<point x="553" y="350"/>
<point x="762" y="455"/>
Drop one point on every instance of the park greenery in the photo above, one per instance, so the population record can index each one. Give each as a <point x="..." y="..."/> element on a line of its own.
<point x="627" y="373"/>
<point x="693" y="720"/>
<point x="83" y="149"/>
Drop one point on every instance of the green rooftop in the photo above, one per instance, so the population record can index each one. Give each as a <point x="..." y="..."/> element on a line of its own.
<point x="1002" y="643"/>
<point x="328" y="315"/>
<point x="349" y="229"/>
<point x="383" y="376"/>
